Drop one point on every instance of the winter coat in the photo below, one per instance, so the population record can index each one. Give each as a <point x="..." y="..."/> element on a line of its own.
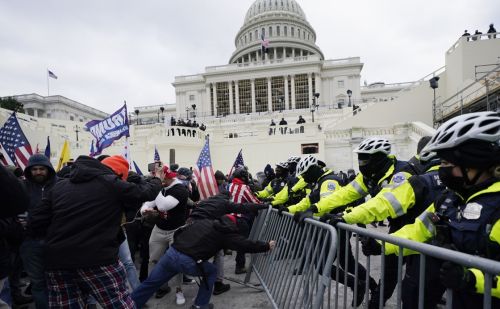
<point x="80" y="218"/>
<point x="202" y="239"/>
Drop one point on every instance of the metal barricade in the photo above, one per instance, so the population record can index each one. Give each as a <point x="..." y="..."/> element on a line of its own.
<point x="490" y="268"/>
<point x="297" y="273"/>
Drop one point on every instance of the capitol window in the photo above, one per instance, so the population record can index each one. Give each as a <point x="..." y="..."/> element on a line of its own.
<point x="292" y="32"/>
<point x="270" y="31"/>
<point x="340" y="84"/>
<point x="278" y="31"/>
<point x="286" y="31"/>
<point x="256" y="34"/>
<point x="250" y="36"/>
<point x="191" y="97"/>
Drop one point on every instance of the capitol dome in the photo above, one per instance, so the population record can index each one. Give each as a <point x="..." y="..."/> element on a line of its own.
<point x="283" y="25"/>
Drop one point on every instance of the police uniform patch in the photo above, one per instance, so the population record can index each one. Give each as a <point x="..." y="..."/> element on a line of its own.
<point x="331" y="186"/>
<point x="472" y="211"/>
<point x="398" y="178"/>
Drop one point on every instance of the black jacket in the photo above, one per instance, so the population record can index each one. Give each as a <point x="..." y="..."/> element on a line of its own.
<point x="219" y="205"/>
<point x="14" y="197"/>
<point x="202" y="239"/>
<point x="81" y="215"/>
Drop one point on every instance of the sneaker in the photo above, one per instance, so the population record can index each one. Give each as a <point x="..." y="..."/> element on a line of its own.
<point x="162" y="292"/>
<point x="240" y="270"/>
<point x="187" y="280"/>
<point x="179" y="298"/>
<point x="220" y="288"/>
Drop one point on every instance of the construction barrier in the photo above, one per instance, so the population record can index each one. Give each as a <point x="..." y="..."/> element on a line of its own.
<point x="297" y="273"/>
<point x="302" y="271"/>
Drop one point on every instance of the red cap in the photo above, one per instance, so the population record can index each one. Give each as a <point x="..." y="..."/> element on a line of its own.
<point x="168" y="173"/>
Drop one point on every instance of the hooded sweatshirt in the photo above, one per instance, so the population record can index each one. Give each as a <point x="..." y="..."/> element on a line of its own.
<point x="80" y="218"/>
<point x="37" y="191"/>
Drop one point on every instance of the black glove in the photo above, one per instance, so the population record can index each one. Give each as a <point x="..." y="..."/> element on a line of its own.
<point x="134" y="178"/>
<point x="326" y="218"/>
<point x="282" y="209"/>
<point x="370" y="246"/>
<point x="457" y="277"/>
<point x="336" y="219"/>
<point x="300" y="216"/>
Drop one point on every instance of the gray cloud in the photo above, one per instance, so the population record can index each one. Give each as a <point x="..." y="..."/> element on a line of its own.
<point x="105" y="52"/>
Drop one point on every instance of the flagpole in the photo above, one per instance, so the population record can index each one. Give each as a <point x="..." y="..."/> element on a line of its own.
<point x="48" y="88"/>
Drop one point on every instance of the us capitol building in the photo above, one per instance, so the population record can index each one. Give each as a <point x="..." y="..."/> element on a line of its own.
<point x="277" y="71"/>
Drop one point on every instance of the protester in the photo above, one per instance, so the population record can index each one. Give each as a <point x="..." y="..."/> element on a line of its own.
<point x="14" y="201"/>
<point x="241" y="193"/>
<point x="213" y="208"/>
<point x="492" y="30"/>
<point x="40" y="179"/>
<point x="283" y="122"/>
<point x="80" y="221"/>
<point x="170" y="212"/>
<point x="301" y="120"/>
<point x="193" y="245"/>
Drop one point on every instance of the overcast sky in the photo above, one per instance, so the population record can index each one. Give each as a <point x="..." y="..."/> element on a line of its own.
<point x="107" y="51"/>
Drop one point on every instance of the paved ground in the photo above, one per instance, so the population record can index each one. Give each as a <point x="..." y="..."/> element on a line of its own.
<point x="245" y="297"/>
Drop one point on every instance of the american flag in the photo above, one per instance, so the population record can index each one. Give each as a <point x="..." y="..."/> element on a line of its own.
<point x="264" y="43"/>
<point x="237" y="163"/>
<point x="157" y="156"/>
<point x="51" y="74"/>
<point x="15" y="146"/>
<point x="205" y="174"/>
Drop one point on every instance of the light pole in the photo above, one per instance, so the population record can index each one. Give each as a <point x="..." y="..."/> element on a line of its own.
<point x="349" y="94"/>
<point x="314" y="105"/>
<point x="137" y="115"/>
<point x="77" y="129"/>
<point x="162" y="109"/>
<point x="194" y="111"/>
<point x="434" y="85"/>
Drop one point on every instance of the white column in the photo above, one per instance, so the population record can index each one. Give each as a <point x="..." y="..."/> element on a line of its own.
<point x="215" y="98"/>
<point x="230" y="97"/>
<point x="284" y="53"/>
<point x="302" y="53"/>
<point x="35" y="112"/>
<point x="293" y="91"/>
<point x="209" y="100"/>
<point x="309" y="80"/>
<point x="275" y="53"/>
<point x="287" y="101"/>
<point x="237" y="95"/>
<point x="269" y="95"/>
<point x="249" y="59"/>
<point x="252" y="87"/>
<point x="293" y="52"/>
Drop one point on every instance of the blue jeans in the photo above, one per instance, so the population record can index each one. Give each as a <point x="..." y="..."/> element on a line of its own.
<point x="32" y="255"/>
<point x="126" y="259"/>
<point x="169" y="265"/>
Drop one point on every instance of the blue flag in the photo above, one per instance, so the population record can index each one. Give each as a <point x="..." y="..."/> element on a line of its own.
<point x="137" y="170"/>
<point x="108" y="130"/>
<point x="157" y="155"/>
<point x="47" y="148"/>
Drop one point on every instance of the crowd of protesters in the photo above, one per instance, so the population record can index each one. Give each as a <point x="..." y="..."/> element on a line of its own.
<point x="76" y="233"/>
<point x="188" y="123"/>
